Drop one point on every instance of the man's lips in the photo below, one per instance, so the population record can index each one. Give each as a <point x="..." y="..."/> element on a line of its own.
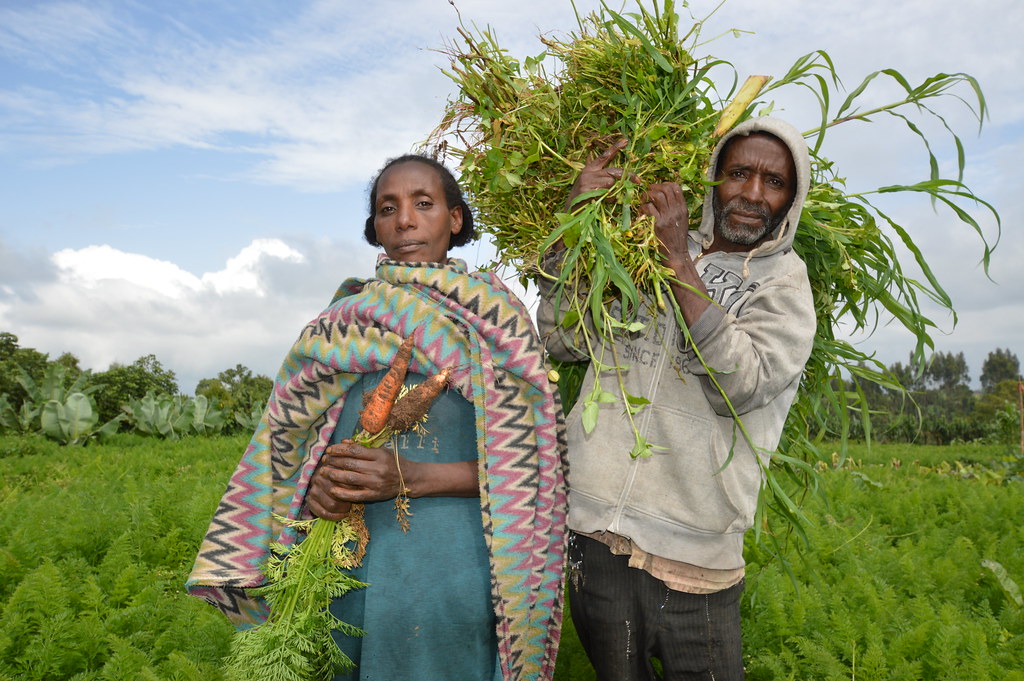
<point x="747" y="217"/>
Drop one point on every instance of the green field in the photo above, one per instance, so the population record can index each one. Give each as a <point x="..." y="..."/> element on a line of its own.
<point x="913" y="570"/>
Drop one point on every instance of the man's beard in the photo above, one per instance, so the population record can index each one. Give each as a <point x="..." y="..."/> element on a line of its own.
<point x="744" y="235"/>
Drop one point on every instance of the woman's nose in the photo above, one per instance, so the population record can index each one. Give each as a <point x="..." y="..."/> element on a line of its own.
<point x="406" y="217"/>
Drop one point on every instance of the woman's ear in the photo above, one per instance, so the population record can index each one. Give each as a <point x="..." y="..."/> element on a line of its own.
<point x="456" y="214"/>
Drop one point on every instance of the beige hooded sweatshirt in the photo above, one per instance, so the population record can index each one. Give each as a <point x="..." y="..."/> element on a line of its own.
<point x="695" y="497"/>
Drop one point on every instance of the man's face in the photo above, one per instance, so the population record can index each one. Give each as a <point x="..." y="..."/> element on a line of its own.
<point x="757" y="183"/>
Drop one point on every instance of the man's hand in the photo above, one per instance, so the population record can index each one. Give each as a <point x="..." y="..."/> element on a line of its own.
<point x="597" y="175"/>
<point x="667" y="205"/>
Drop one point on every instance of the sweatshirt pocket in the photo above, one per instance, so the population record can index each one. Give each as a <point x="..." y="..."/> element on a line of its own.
<point x="685" y="483"/>
<point x="600" y="466"/>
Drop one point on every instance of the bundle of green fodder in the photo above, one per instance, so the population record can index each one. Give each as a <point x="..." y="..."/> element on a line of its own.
<point x="521" y="136"/>
<point x="520" y="133"/>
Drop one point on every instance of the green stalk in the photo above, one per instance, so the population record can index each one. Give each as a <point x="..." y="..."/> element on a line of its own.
<point x="316" y="548"/>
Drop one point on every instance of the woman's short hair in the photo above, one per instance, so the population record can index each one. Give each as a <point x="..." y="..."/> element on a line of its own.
<point x="453" y="197"/>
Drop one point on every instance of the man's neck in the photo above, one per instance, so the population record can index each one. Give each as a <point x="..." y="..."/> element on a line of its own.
<point x="720" y="245"/>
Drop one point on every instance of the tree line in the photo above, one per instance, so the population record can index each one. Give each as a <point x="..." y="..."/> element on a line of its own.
<point x="934" y="404"/>
<point x="65" y="402"/>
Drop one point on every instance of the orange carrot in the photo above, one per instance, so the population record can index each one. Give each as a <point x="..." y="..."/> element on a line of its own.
<point x="414" y="405"/>
<point x="374" y="416"/>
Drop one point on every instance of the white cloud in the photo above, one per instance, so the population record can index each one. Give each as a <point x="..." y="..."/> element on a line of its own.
<point x="51" y="34"/>
<point x="242" y="272"/>
<point x="93" y="267"/>
<point x="105" y="306"/>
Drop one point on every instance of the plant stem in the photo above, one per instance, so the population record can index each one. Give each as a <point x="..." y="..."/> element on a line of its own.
<point x="315" y="548"/>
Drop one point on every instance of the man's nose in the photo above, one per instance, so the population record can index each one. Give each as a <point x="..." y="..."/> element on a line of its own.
<point x="753" y="190"/>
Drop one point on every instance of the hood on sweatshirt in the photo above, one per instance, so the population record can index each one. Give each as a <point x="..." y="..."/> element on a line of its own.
<point x="782" y="239"/>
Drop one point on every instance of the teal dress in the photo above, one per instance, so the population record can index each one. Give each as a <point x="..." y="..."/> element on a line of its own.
<point x="427" y="611"/>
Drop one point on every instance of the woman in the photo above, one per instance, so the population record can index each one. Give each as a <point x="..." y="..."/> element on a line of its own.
<point x="473" y="589"/>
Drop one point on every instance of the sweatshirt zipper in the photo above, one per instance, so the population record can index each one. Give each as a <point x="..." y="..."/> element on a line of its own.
<point x="646" y="417"/>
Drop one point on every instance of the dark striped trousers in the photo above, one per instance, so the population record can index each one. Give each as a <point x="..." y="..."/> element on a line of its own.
<point x="625" y="617"/>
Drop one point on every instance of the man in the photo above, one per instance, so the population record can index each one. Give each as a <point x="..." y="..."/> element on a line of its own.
<point x="656" y="553"/>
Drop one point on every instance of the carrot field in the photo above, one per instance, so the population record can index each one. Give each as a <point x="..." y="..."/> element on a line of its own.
<point x="913" y="569"/>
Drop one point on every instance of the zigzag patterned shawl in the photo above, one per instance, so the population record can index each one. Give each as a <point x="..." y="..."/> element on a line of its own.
<point x="469" y="321"/>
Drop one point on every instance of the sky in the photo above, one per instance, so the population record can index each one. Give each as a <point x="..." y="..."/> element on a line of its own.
<point x="189" y="179"/>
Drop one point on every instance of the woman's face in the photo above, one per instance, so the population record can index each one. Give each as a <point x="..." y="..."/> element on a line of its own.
<point x="411" y="217"/>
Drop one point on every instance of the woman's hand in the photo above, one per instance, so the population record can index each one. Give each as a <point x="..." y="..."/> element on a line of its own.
<point x="352" y="474"/>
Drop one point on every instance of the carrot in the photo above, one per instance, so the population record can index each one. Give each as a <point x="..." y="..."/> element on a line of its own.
<point x="413" y="406"/>
<point x="374" y="416"/>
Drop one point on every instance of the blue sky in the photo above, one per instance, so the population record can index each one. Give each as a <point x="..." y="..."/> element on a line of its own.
<point x="188" y="179"/>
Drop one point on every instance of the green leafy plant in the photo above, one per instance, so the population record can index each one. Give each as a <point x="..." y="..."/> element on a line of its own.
<point x="238" y="392"/>
<point x="521" y="131"/>
<point x="161" y="415"/>
<point x="295" y="643"/>
<point x="173" y="416"/>
<point x="96" y="548"/>
<point x="51" y="387"/>
<point x="24" y="419"/>
<point x="95" y="592"/>
<point x="206" y="418"/>
<point x="66" y="414"/>
<point x="862" y="607"/>
<point x="124" y="382"/>
<point x="248" y="419"/>
<point x="1006" y="582"/>
<point x="74" y="420"/>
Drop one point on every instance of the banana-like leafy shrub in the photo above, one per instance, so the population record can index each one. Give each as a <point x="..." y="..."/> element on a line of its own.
<point x="173" y="416"/>
<point x="20" y="420"/>
<point x="248" y="420"/>
<point x="74" y="420"/>
<point x="65" y="414"/>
